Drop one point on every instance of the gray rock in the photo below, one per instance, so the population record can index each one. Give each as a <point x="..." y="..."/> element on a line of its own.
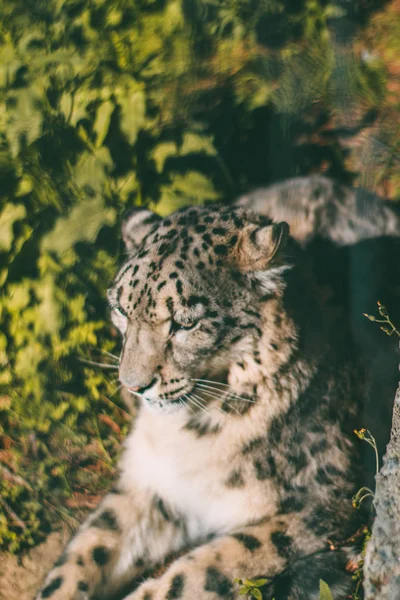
<point x="382" y="560"/>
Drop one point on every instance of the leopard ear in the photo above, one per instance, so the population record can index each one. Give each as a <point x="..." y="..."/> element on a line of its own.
<point x="136" y="225"/>
<point x="259" y="247"/>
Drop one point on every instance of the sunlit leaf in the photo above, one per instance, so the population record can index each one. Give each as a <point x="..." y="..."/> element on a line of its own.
<point x="197" y="144"/>
<point x="324" y="591"/>
<point x="256" y="582"/>
<point x="67" y="106"/>
<point x="48" y="311"/>
<point x="191" y="188"/>
<point x="162" y="152"/>
<point x="24" y="119"/>
<point x="102" y="122"/>
<point x="132" y="101"/>
<point x="82" y="224"/>
<point x="173" y="16"/>
<point x="25" y="186"/>
<point x="9" y="215"/>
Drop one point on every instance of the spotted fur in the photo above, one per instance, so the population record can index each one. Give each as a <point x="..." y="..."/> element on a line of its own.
<point x="320" y="207"/>
<point x="352" y="240"/>
<point x="241" y="457"/>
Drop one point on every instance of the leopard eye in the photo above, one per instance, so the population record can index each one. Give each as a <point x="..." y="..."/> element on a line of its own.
<point x="175" y="326"/>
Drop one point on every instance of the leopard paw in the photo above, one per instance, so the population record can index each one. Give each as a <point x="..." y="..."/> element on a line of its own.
<point x="64" y="583"/>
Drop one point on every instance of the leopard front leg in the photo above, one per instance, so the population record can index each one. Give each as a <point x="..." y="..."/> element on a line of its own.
<point x="209" y="572"/>
<point x="129" y="532"/>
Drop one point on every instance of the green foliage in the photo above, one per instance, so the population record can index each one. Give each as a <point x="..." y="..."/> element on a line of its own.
<point x="107" y="103"/>
<point x="251" y="588"/>
<point x="324" y="591"/>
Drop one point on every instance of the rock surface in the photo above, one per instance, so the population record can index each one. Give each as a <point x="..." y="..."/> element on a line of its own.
<point x="382" y="560"/>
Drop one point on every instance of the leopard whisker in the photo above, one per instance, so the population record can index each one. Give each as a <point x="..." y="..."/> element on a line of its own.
<point x="113" y="356"/>
<point x="224" y="399"/>
<point x="231" y="394"/>
<point x="116" y="391"/>
<point x="211" y="394"/>
<point x="216" y="398"/>
<point x="185" y="404"/>
<point x="200" y="400"/>
<point x="212" y="381"/>
<point x="108" y="398"/>
<point x="195" y="402"/>
<point x="217" y="389"/>
<point x="98" y="364"/>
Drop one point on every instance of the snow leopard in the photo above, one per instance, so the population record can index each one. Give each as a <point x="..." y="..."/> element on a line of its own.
<point x="351" y="237"/>
<point x="241" y="462"/>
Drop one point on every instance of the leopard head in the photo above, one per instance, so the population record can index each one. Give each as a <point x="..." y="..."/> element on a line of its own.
<point x="187" y="299"/>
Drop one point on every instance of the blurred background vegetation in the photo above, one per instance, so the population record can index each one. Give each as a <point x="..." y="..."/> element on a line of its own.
<point x="110" y="103"/>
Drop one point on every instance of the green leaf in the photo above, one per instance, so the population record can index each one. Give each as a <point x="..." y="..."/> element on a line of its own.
<point x="92" y="170"/>
<point x="256" y="582"/>
<point x="195" y="143"/>
<point x="18" y="297"/>
<point x="9" y="65"/>
<point x="132" y="101"/>
<point x="191" y="188"/>
<point x="67" y="105"/>
<point x="102" y="122"/>
<point x="9" y="215"/>
<point x="82" y="224"/>
<point x="162" y="152"/>
<point x="48" y="310"/>
<point x="173" y="16"/>
<point x="25" y="186"/>
<point x="324" y="591"/>
<point x="24" y="118"/>
<point x="192" y="143"/>
<point x="79" y="101"/>
<point x="256" y="594"/>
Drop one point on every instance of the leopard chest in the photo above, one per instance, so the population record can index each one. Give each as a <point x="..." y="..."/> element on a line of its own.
<point x="206" y="479"/>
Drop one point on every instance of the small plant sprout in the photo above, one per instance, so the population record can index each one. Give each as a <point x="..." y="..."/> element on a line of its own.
<point x="365" y="492"/>
<point x="366" y="435"/>
<point x="387" y="325"/>
<point x="250" y="588"/>
<point x="358" y="575"/>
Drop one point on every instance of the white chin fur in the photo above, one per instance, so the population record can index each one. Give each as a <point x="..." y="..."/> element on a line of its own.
<point x="156" y="405"/>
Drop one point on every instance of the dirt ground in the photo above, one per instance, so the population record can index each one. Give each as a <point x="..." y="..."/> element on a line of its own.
<point x="20" y="580"/>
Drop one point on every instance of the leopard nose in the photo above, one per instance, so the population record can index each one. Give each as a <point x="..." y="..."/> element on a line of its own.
<point x="141" y="389"/>
<point x="135" y="388"/>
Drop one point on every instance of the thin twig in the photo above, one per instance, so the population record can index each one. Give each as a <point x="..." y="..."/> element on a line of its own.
<point x="13" y="514"/>
<point x="15" y="478"/>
